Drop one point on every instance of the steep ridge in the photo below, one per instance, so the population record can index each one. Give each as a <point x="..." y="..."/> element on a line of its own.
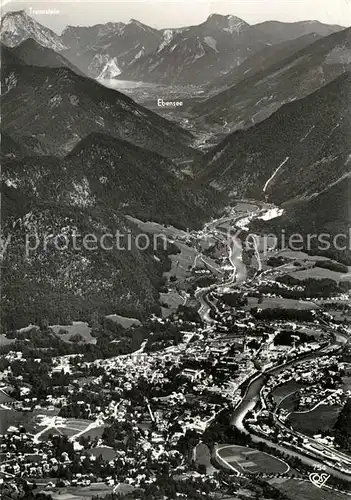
<point x="260" y="61"/>
<point x="82" y="37"/>
<point x="33" y="54"/>
<point x="57" y="108"/>
<point x="297" y="152"/>
<point x="327" y="214"/>
<point x="289" y="31"/>
<point x="255" y="98"/>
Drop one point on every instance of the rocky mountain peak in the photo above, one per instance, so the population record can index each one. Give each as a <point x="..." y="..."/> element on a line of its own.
<point x="229" y="23"/>
<point x="137" y="24"/>
<point x="17" y="26"/>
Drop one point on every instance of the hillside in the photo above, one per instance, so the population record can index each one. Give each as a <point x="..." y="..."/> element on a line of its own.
<point x="33" y="54"/>
<point x="297" y="152"/>
<point x="256" y="97"/>
<point x="328" y="214"/>
<point x="260" y="61"/>
<point x="57" y="108"/>
<point x="56" y="284"/>
<point x="12" y="149"/>
<point x="290" y="31"/>
<point x="126" y="178"/>
<point x="50" y="204"/>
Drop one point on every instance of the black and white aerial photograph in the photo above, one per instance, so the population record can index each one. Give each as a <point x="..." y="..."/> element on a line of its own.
<point x="175" y="250"/>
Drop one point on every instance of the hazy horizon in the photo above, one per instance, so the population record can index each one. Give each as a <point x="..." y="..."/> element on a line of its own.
<point x="172" y="14"/>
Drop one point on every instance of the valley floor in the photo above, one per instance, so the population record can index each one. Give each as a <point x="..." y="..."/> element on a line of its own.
<point x="210" y="308"/>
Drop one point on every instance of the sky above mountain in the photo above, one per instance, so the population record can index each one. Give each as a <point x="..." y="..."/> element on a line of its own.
<point x="175" y="13"/>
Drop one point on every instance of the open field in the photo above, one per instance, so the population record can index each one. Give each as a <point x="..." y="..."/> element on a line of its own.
<point x="27" y="419"/>
<point x="159" y="229"/>
<point x="305" y="490"/>
<point x="77" y="328"/>
<point x="77" y="423"/>
<point x="173" y="300"/>
<point x="287" y="268"/>
<point x="291" y="254"/>
<point x="322" y="418"/>
<point x="284" y="390"/>
<point x="346" y="383"/>
<point x="123" y="321"/>
<point x="340" y="315"/>
<point x="5" y="341"/>
<point x="80" y="493"/>
<point x="94" y="432"/>
<point x="106" y="452"/>
<point x="181" y="262"/>
<point x="247" y="460"/>
<point x="72" y="426"/>
<point x="67" y="431"/>
<point x="278" y="303"/>
<point x="66" y="496"/>
<point x="65" y="427"/>
<point x="315" y="331"/>
<point x="87" y="492"/>
<point x="203" y="455"/>
<point x="320" y="273"/>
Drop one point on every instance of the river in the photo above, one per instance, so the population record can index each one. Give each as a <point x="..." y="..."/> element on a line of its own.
<point x="252" y="394"/>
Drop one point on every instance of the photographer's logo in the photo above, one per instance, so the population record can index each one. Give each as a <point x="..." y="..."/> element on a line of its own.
<point x="319" y="480"/>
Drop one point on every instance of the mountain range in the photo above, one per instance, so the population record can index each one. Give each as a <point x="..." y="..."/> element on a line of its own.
<point x="198" y="54"/>
<point x="135" y="51"/>
<point x="193" y="54"/>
